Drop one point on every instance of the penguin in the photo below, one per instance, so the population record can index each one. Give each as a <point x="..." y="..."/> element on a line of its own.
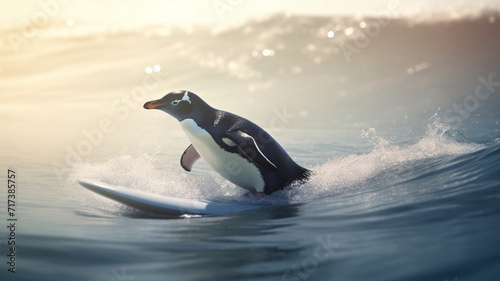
<point x="238" y="149"/>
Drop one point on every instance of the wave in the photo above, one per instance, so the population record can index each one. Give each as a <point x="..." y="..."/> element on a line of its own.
<point x="411" y="16"/>
<point x="385" y="165"/>
<point x="369" y="71"/>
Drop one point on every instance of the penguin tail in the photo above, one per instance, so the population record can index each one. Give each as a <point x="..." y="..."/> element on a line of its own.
<point x="302" y="175"/>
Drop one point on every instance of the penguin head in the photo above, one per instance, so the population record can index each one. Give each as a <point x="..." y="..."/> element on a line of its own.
<point x="179" y="104"/>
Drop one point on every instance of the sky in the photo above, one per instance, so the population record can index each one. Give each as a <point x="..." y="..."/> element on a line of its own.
<point x="16" y="13"/>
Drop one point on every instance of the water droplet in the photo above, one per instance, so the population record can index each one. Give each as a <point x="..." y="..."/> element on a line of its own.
<point x="156" y="68"/>
<point x="331" y="34"/>
<point x="349" y="31"/>
<point x="148" y="70"/>
<point x="268" y="53"/>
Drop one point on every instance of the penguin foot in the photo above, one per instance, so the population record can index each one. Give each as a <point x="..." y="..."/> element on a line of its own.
<point x="259" y="195"/>
<point x="256" y="195"/>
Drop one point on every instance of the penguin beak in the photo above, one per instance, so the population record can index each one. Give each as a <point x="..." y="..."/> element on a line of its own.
<point x="153" y="104"/>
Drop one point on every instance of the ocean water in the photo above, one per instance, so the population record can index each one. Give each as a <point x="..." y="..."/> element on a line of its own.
<point x="399" y="120"/>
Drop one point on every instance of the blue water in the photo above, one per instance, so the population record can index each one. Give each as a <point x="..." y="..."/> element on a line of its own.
<point x="406" y="155"/>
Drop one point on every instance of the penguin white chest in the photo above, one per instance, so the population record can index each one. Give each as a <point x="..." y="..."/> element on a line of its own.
<point x="231" y="166"/>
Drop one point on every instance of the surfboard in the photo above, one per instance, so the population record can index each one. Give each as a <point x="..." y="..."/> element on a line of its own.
<point x="163" y="204"/>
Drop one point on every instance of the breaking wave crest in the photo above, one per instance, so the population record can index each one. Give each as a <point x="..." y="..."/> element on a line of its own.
<point x="385" y="163"/>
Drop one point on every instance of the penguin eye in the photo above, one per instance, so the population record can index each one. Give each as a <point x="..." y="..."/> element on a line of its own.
<point x="175" y="102"/>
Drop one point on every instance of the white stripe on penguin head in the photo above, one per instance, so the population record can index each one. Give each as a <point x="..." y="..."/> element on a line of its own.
<point x="184" y="98"/>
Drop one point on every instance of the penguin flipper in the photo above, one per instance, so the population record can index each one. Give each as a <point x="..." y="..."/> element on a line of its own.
<point x="188" y="158"/>
<point x="247" y="147"/>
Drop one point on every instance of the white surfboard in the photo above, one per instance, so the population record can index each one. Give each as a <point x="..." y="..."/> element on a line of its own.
<point x="163" y="204"/>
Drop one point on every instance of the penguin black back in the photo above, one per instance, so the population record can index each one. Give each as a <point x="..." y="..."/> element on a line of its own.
<point x="221" y="137"/>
